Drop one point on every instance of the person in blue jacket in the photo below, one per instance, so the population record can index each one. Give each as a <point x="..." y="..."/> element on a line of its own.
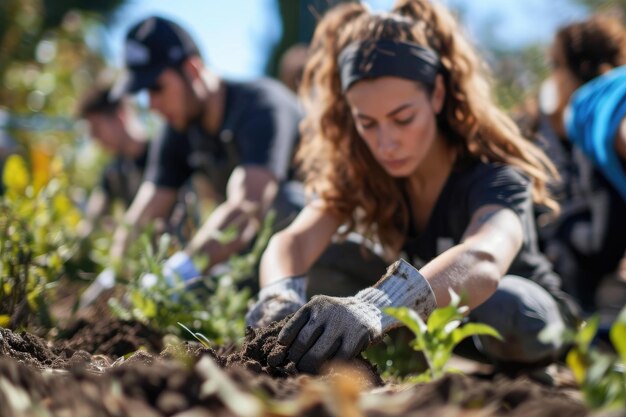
<point x="585" y="97"/>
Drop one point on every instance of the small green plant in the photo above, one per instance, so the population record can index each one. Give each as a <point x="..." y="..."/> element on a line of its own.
<point x="213" y="307"/>
<point x="394" y="356"/>
<point x="204" y="341"/>
<point x="438" y="337"/>
<point x="601" y="375"/>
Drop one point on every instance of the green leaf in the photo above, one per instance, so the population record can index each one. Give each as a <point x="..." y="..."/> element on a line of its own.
<point x="618" y="334"/>
<point x="165" y="242"/>
<point x="471" y="329"/>
<point x="451" y="326"/>
<point x="5" y="319"/>
<point x="598" y="369"/>
<point x="556" y="332"/>
<point x="442" y="316"/>
<point x="409" y="317"/>
<point x="587" y="333"/>
<point x="455" y="300"/>
<point x="577" y="362"/>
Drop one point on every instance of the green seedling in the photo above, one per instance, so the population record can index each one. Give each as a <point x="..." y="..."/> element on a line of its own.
<point x="214" y="306"/>
<point x="442" y="332"/>
<point x="600" y="375"/>
<point x="204" y="341"/>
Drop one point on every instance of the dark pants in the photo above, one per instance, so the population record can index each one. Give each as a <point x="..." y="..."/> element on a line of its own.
<point x="519" y="310"/>
<point x="588" y="245"/>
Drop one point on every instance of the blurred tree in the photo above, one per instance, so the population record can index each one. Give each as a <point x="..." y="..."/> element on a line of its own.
<point x="615" y="7"/>
<point x="48" y="56"/>
<point x="299" y="18"/>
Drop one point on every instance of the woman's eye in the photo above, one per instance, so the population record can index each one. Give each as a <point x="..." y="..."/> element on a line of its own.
<point x="367" y="125"/>
<point x="405" y="121"/>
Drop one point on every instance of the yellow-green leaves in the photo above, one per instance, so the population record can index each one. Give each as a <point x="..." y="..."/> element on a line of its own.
<point x="618" y="335"/>
<point x="601" y="375"/>
<point x="37" y="235"/>
<point x="15" y="176"/>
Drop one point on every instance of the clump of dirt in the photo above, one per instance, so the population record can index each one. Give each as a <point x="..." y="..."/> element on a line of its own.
<point x="260" y="349"/>
<point x="518" y="397"/>
<point x="110" y="336"/>
<point x="35" y="352"/>
<point x="262" y="354"/>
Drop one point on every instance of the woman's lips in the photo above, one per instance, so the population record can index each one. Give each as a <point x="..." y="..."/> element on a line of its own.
<point x="394" y="163"/>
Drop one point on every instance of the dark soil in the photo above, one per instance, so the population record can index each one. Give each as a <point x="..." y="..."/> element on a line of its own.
<point x="87" y="375"/>
<point x="111" y="337"/>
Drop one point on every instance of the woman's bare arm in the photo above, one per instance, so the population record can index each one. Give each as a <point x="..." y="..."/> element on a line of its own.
<point x="474" y="267"/>
<point x="293" y="250"/>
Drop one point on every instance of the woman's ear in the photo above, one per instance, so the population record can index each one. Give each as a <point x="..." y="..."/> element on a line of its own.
<point x="439" y="94"/>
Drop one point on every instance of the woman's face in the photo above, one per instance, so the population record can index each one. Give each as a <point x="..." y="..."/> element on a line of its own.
<point x="558" y="89"/>
<point x="397" y="120"/>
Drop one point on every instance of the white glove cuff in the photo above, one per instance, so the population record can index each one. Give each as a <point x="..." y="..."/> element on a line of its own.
<point x="180" y="264"/>
<point x="402" y="285"/>
<point x="293" y="288"/>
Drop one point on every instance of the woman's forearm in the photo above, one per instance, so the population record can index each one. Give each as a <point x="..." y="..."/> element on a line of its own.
<point x="472" y="273"/>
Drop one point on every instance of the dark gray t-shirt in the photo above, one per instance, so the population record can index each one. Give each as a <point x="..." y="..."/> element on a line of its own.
<point x="123" y="176"/>
<point x="471" y="185"/>
<point x="260" y="127"/>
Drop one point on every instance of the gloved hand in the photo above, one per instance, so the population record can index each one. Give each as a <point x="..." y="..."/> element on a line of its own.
<point x="277" y="301"/>
<point x="104" y="281"/>
<point x="179" y="266"/>
<point x="341" y="327"/>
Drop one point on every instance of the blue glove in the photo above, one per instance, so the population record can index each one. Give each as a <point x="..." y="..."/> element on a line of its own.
<point x="179" y="267"/>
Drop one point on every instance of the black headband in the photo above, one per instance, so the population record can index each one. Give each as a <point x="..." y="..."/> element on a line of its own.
<point x="369" y="59"/>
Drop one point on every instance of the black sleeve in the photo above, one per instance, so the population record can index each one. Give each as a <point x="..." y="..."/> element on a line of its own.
<point x="268" y="139"/>
<point x="501" y="185"/>
<point x="255" y="138"/>
<point x="168" y="160"/>
<point x="106" y="178"/>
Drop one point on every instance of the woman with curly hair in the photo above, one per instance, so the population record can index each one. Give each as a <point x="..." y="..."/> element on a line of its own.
<point x="585" y="98"/>
<point x="403" y="143"/>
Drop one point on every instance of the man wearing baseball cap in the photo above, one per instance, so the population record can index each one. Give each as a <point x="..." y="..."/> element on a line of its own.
<point x="241" y="135"/>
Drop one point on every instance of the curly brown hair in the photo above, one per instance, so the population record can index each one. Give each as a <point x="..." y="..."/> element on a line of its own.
<point x="337" y="165"/>
<point x="590" y="44"/>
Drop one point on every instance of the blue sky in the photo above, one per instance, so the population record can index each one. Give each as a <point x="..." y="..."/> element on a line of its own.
<point x="235" y="35"/>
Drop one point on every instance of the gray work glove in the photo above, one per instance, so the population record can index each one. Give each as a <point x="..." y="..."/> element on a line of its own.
<point x="277" y="301"/>
<point x="341" y="327"/>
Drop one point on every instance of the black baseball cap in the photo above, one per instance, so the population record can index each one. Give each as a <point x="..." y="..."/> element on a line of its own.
<point x="151" y="46"/>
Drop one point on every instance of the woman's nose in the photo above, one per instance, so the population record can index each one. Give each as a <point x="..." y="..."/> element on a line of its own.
<point x="386" y="141"/>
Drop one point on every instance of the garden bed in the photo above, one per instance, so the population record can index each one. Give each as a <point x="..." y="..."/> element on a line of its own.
<point x="87" y="375"/>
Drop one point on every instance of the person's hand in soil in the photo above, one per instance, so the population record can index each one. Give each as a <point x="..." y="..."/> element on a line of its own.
<point x="329" y="328"/>
<point x="277" y="301"/>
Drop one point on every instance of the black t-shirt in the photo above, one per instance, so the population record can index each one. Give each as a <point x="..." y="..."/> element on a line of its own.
<point x="471" y="185"/>
<point x="260" y="127"/>
<point x="123" y="176"/>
